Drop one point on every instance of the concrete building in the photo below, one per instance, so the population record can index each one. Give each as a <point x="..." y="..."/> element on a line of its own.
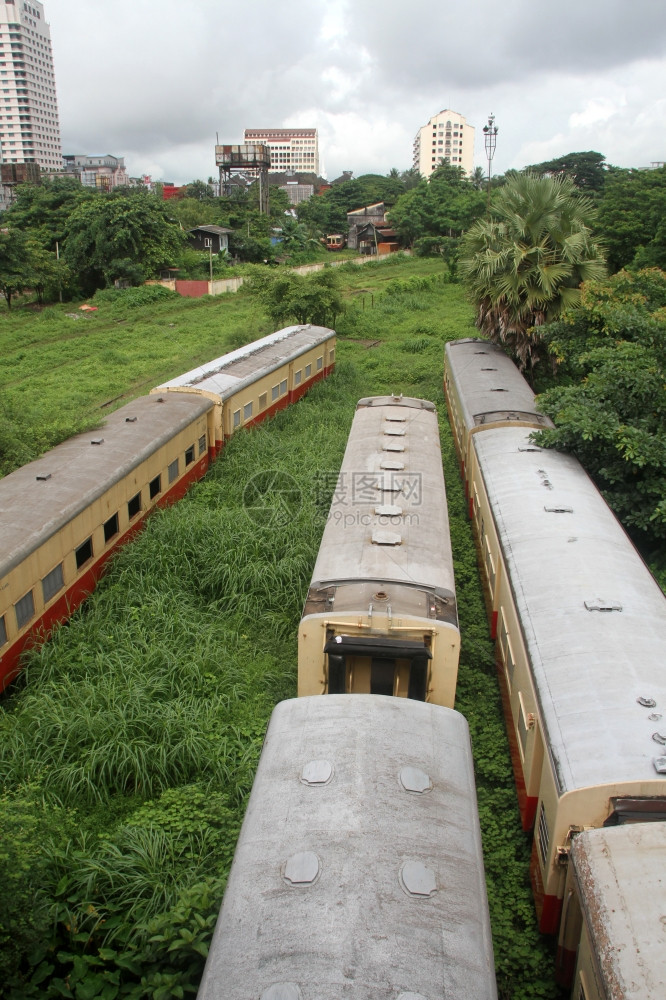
<point x="101" y="172"/>
<point x="29" y="128"/>
<point x="291" y="149"/>
<point x="447" y="138"/>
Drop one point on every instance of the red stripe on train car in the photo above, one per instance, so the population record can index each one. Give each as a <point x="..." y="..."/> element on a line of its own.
<point x="84" y="585"/>
<point x="565" y="966"/>
<point x="548" y="908"/>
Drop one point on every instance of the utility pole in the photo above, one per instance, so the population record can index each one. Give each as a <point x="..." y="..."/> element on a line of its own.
<point x="490" y="137"/>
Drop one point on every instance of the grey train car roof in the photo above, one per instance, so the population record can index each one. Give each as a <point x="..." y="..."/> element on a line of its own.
<point x="225" y="375"/>
<point x="489" y="384"/>
<point x="423" y="553"/>
<point x="621" y="873"/>
<point x="77" y="472"/>
<point x="375" y="794"/>
<point x="593" y="617"/>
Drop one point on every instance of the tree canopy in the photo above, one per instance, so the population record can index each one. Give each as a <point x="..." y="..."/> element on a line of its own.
<point x="611" y="351"/>
<point x="524" y="265"/>
<point x="440" y="208"/>
<point x="586" y="170"/>
<point x="122" y="235"/>
<point x="632" y="218"/>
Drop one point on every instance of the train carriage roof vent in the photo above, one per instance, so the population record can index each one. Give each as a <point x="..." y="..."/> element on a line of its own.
<point x="395" y="431"/>
<point x="647" y="702"/>
<point x="598" y="604"/>
<point x="317" y="772"/>
<point x="413" y="779"/>
<point x="282" y="991"/>
<point x="302" y="868"/>
<point x="395" y="418"/>
<point x="529" y="447"/>
<point x="131" y="420"/>
<point x="97" y="441"/>
<point x="387" y="463"/>
<point x="499" y="390"/>
<point x="388" y="484"/>
<point x="659" y="764"/>
<point x="411" y="996"/>
<point x="41" y="477"/>
<point x="417" y="880"/>
<point x="393" y="446"/>
<point x="489" y="369"/>
<point x="559" y="510"/>
<point x="386" y="538"/>
<point x="388" y="510"/>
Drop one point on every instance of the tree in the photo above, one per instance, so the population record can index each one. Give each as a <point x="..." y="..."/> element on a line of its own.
<point x="612" y="415"/>
<point x="306" y="299"/>
<point x="586" y="170"/>
<point x="15" y="263"/>
<point x="122" y="235"/>
<point x="631" y="218"/>
<point x="525" y="264"/>
<point x="43" y="209"/>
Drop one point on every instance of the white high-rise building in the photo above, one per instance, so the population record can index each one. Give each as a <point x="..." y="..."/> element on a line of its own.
<point x="293" y="150"/>
<point x="447" y="138"/>
<point x="29" y="127"/>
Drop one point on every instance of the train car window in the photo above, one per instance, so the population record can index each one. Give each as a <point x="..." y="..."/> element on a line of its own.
<point x="283" y="387"/>
<point x="25" y="609"/>
<point x="320" y="363"/>
<point x="3" y="631"/>
<point x="155" y="487"/>
<point x="308" y="371"/>
<point x="275" y="392"/>
<point x="83" y="553"/>
<point x="262" y="401"/>
<point x="52" y="583"/>
<point x="134" y="506"/>
<point x="236" y="418"/>
<point x="111" y="528"/>
<point x="173" y="470"/>
<point x="189" y="455"/>
<point x="331" y="355"/>
<point x="632" y="810"/>
<point x="298" y="376"/>
<point x="247" y="411"/>
<point x="543" y="836"/>
<point x="202" y="444"/>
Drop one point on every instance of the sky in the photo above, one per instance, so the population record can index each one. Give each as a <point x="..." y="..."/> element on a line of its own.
<point x="160" y="81"/>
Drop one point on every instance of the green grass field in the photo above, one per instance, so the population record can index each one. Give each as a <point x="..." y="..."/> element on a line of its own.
<point x="128" y="748"/>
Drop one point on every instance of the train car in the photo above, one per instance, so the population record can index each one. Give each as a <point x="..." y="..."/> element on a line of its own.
<point x="613" y="935"/>
<point x="581" y="634"/>
<point x="380" y="615"/>
<point x="255" y="381"/>
<point x="62" y="516"/>
<point x="358" y="870"/>
<point x="484" y="389"/>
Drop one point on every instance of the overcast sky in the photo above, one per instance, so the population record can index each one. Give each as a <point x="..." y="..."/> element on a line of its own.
<point x="156" y="80"/>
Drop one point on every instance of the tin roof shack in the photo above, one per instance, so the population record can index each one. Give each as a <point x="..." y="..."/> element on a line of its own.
<point x="374" y="239"/>
<point x="214" y="238"/>
<point x="360" y="217"/>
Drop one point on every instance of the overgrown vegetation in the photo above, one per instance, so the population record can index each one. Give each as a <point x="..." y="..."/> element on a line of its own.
<point x="128" y="747"/>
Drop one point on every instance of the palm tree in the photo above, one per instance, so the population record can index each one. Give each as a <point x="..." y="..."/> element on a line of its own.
<point x="525" y="264"/>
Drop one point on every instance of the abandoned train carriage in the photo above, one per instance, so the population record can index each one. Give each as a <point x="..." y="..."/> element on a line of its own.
<point x="581" y="633"/>
<point x="358" y="870"/>
<point x="380" y="615"/>
<point x="254" y="382"/>
<point x="62" y="516"/>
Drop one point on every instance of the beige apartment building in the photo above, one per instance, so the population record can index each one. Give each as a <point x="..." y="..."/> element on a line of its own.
<point x="446" y="138"/>
<point x="29" y="128"/>
<point x="293" y="150"/>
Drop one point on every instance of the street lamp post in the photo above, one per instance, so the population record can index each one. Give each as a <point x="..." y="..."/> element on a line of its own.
<point x="490" y="139"/>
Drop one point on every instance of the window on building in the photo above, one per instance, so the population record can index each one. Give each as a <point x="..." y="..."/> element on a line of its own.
<point x="134" y="505"/>
<point x="320" y="363"/>
<point x="283" y="387"/>
<point x="25" y="609"/>
<point x="202" y="444"/>
<point x="111" y="528"/>
<point x="189" y="455"/>
<point x="208" y="242"/>
<point x="263" y="400"/>
<point x="3" y="631"/>
<point x="83" y="553"/>
<point x="52" y="583"/>
<point x="298" y="376"/>
<point x="172" y="470"/>
<point x="155" y="487"/>
<point x="237" y="418"/>
<point x="247" y="411"/>
<point x="308" y="371"/>
<point x="275" y="392"/>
